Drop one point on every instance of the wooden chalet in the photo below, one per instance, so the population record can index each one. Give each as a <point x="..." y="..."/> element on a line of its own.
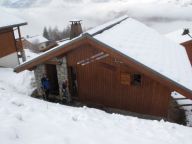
<point x="11" y="48"/>
<point x="122" y="64"/>
<point x="38" y="43"/>
<point x="183" y="37"/>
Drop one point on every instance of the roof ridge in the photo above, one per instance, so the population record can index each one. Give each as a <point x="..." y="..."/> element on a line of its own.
<point x="110" y="25"/>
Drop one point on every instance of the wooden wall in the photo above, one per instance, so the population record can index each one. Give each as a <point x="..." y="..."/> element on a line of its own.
<point x="188" y="47"/>
<point x="100" y="82"/>
<point x="7" y="42"/>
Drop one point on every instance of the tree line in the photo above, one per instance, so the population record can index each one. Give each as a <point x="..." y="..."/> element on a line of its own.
<point x="54" y="34"/>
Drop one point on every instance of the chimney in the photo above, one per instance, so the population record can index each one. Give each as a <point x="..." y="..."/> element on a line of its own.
<point x="76" y="28"/>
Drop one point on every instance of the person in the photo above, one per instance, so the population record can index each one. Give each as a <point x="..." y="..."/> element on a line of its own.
<point x="65" y="91"/>
<point x="45" y="86"/>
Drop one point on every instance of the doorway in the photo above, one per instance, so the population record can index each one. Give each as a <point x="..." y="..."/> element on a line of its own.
<point x="51" y="73"/>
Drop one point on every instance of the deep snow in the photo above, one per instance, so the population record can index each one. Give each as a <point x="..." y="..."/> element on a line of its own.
<point x="25" y="120"/>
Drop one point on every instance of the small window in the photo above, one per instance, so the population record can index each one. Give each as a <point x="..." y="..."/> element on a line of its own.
<point x="125" y="78"/>
<point x="136" y="79"/>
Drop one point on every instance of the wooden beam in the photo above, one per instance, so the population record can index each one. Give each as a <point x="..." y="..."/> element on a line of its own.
<point x="53" y="62"/>
<point x="179" y="99"/>
<point x="184" y="105"/>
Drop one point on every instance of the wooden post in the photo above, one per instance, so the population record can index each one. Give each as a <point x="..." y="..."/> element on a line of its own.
<point x="21" y="46"/>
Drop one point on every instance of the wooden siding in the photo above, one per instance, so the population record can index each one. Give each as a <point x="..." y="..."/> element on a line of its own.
<point x="188" y="47"/>
<point x="7" y="42"/>
<point x="99" y="82"/>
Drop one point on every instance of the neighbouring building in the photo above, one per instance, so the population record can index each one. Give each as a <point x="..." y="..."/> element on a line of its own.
<point x="38" y="43"/>
<point x="121" y="64"/>
<point x="11" y="49"/>
<point x="183" y="38"/>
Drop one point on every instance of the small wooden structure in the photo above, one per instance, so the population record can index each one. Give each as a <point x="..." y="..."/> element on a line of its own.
<point x="11" y="48"/>
<point x="101" y="74"/>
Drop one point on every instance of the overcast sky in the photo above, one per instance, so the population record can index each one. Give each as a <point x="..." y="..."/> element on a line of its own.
<point x="164" y="15"/>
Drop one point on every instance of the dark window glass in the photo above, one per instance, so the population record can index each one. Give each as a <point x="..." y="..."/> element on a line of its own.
<point x="136" y="79"/>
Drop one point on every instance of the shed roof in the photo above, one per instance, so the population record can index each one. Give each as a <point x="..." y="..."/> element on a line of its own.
<point x="8" y="20"/>
<point x="177" y="36"/>
<point x="141" y="44"/>
<point x="37" y="39"/>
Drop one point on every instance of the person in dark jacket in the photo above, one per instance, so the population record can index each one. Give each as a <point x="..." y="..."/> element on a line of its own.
<point x="45" y="86"/>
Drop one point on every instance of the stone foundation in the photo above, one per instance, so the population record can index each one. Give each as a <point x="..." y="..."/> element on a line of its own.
<point x="39" y="71"/>
<point x="62" y="74"/>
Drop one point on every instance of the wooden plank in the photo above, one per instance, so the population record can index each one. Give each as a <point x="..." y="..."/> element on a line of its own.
<point x="179" y="99"/>
<point x="184" y="105"/>
<point x="53" y="62"/>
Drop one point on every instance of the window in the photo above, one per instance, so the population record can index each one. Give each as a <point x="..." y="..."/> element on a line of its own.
<point x="130" y="79"/>
<point x="125" y="78"/>
<point x="136" y="79"/>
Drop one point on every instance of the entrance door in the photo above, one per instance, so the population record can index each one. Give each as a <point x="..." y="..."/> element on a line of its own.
<point x="73" y="87"/>
<point x="51" y="72"/>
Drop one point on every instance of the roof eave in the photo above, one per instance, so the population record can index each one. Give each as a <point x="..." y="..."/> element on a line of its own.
<point x="15" y="25"/>
<point x="22" y="66"/>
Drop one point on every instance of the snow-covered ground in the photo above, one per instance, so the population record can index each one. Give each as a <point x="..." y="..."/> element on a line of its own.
<point x="26" y="120"/>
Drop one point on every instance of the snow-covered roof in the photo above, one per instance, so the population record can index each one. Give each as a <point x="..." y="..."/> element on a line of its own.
<point x="105" y="26"/>
<point x="36" y="39"/>
<point x="8" y="20"/>
<point x="148" y="47"/>
<point x="177" y="36"/>
<point x="141" y="43"/>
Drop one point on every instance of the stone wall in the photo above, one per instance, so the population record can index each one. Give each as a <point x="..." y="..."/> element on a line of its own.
<point x="62" y="74"/>
<point x="39" y="71"/>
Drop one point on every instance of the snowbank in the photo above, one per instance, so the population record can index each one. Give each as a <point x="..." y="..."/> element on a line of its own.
<point x="25" y="120"/>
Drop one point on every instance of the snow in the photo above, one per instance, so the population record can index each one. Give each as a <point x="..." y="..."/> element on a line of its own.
<point x="36" y="39"/>
<point x="188" y="109"/>
<point x="148" y="47"/>
<point x="26" y="120"/>
<point x="106" y="25"/>
<point x="31" y="55"/>
<point x="9" y="20"/>
<point x="177" y="36"/>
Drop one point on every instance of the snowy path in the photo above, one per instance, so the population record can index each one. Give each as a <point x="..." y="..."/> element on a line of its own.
<point x="25" y="120"/>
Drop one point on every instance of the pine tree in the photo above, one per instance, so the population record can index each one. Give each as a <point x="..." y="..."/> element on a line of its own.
<point x="45" y="33"/>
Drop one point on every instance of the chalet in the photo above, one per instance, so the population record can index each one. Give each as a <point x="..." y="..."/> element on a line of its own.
<point x="11" y="48"/>
<point x="121" y="64"/>
<point x="183" y="37"/>
<point x="38" y="43"/>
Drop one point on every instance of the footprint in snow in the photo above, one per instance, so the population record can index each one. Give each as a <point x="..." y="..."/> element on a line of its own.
<point x="17" y="103"/>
